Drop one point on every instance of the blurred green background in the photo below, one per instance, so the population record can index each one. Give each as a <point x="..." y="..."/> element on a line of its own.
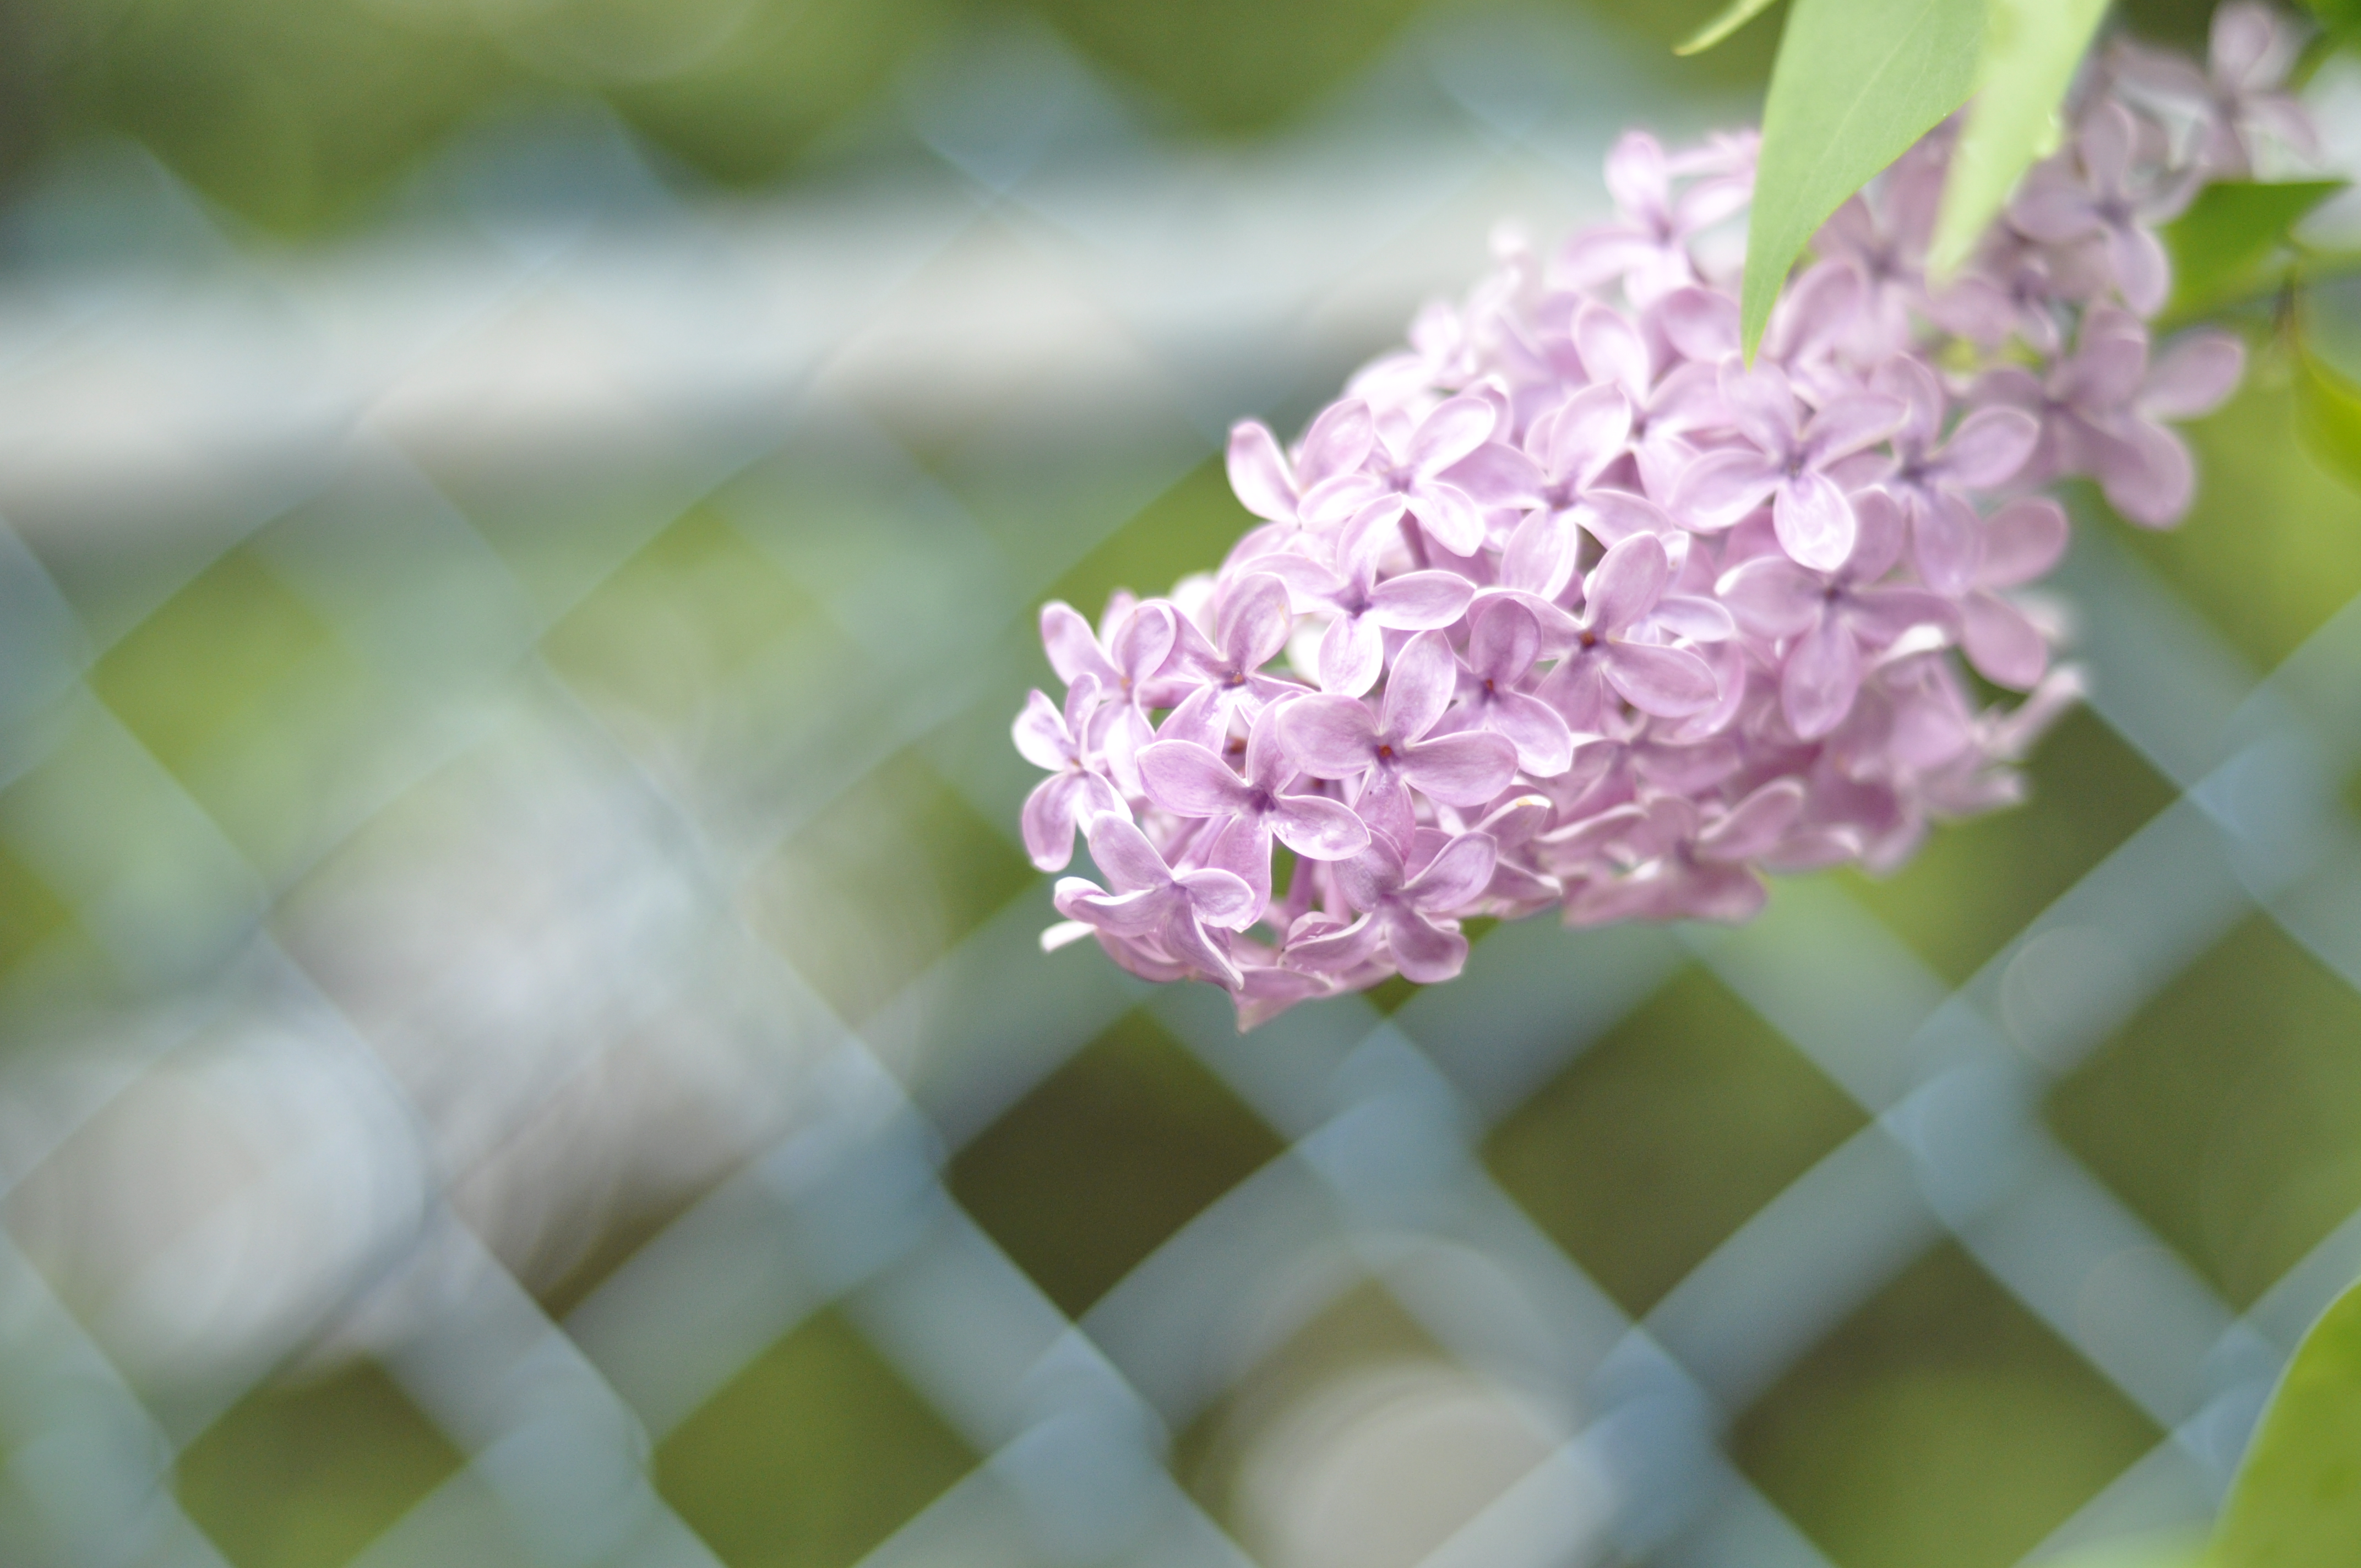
<point x="267" y="722"/>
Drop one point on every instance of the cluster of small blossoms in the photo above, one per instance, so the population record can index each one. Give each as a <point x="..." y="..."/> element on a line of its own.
<point x="1569" y="607"/>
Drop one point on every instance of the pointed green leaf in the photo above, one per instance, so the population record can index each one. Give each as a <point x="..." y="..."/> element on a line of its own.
<point x="2297" y="1499"/>
<point x="2220" y="245"/>
<point x="1736" y="16"/>
<point x="2328" y="419"/>
<point x="1856" y="82"/>
<point x="2031" y="49"/>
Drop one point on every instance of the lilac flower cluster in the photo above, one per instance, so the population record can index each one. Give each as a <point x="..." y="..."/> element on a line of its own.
<point x="1567" y="605"/>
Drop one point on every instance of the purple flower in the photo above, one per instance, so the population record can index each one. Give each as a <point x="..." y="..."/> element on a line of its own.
<point x="1077" y="788"/>
<point x="1931" y="476"/>
<point x="1243" y="814"/>
<point x="1603" y="620"/>
<point x="1409" y="914"/>
<point x="2058" y="208"/>
<point x="1831" y="624"/>
<point x="1614" y="650"/>
<point x="1333" y="737"/>
<point x="1786" y="461"/>
<point x="2236" y="101"/>
<point x="1157" y="913"/>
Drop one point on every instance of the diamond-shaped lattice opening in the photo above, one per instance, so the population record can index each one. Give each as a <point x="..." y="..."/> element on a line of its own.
<point x="252" y="702"/>
<point x="1187" y="529"/>
<point x="213" y="651"/>
<point x="810" y="1456"/>
<point x="2272" y="547"/>
<point x="1665" y="1136"/>
<point x="1941" y="1426"/>
<point x="882" y="883"/>
<point x="1357" y="1439"/>
<point x="305" y="1477"/>
<point x="2228" y="1111"/>
<point x="660" y="639"/>
<point x="1106" y="1157"/>
<point x="1976" y="884"/>
<point x="30" y="912"/>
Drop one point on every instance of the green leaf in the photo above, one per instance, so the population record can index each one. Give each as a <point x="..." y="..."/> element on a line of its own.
<point x="2031" y="49"/>
<point x="1857" y="82"/>
<point x="2221" y="244"/>
<point x="2297" y="1499"/>
<point x="2328" y="419"/>
<point x="2341" y="19"/>
<point x="1734" y="16"/>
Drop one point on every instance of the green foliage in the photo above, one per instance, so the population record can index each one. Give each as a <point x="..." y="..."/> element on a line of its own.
<point x="1732" y="17"/>
<point x="2341" y="19"/>
<point x="2031" y="47"/>
<point x="2231" y="243"/>
<point x="2328" y="416"/>
<point x="1856" y="83"/>
<point x="2297" y="1500"/>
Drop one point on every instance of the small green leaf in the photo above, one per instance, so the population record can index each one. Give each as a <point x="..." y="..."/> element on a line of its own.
<point x="1857" y="82"/>
<point x="2031" y="49"/>
<point x="1736" y="16"/>
<point x="2328" y="419"/>
<point x="2234" y="226"/>
<point x="2341" y="19"/>
<point x="2297" y="1499"/>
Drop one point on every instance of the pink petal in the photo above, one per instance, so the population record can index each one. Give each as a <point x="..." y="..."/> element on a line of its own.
<point x="1613" y="516"/>
<point x="1123" y="853"/>
<point x="2022" y="541"/>
<point x="1458" y="427"/>
<point x="1626" y="584"/>
<point x="2143" y="271"/>
<point x="1881" y="532"/>
<point x="1426" y="674"/>
<point x="1052" y="811"/>
<point x="1754" y="824"/>
<point x="1720" y="488"/>
<point x="1577" y="689"/>
<point x="1072" y="646"/>
<point x="2241" y="44"/>
<point x="1814" y="521"/>
<point x="1329" y="737"/>
<point x="1495" y="475"/>
<point x="1318" y="828"/>
<point x="1822" y="674"/>
<point x="1143" y="640"/>
<point x="2053" y="208"/>
<point x="1423" y="953"/>
<point x="2194" y="377"/>
<point x="1763" y="406"/>
<point x="1667" y="682"/>
<point x="1339" y="442"/>
<point x="1465" y="769"/>
<point x="2005" y="648"/>
<point x="1187" y="940"/>
<point x="1200" y="717"/>
<point x="1636" y="176"/>
<point x="1130" y="914"/>
<point x="1420" y="601"/>
<point x="1541" y="554"/>
<point x="2107" y="138"/>
<point x="1222" y="898"/>
<point x="1989" y="448"/>
<point x="2109" y="364"/>
<point x="1190" y="781"/>
<point x="1258" y="473"/>
<point x="1611" y="349"/>
<point x="1504" y="642"/>
<point x="1337" y="951"/>
<point x="1449" y="516"/>
<point x="1352" y="655"/>
<point x="1772" y="597"/>
<point x="2146" y="473"/>
<point x="1699" y="323"/>
<point x="1692" y="618"/>
<point x="1544" y="745"/>
<point x="1588" y="431"/>
<point x="1882" y="616"/>
<point x="1455" y="878"/>
<point x="1945" y="538"/>
<point x="1040" y="732"/>
<point x="1253" y="621"/>
<point x="1847" y="425"/>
